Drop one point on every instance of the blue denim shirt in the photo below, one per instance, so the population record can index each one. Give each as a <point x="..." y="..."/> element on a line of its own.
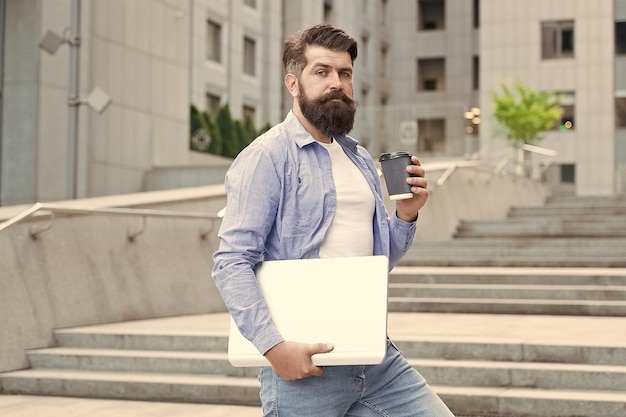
<point x="280" y="202"/>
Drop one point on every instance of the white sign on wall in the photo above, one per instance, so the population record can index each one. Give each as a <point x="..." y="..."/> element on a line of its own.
<point x="408" y="132"/>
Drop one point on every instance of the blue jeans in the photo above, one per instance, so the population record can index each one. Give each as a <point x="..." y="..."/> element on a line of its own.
<point x="392" y="388"/>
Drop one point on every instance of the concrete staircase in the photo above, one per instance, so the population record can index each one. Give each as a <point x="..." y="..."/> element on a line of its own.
<point x="477" y="375"/>
<point x="558" y="259"/>
<point x="498" y="285"/>
<point x="565" y="232"/>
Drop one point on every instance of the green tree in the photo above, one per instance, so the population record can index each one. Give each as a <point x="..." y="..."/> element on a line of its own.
<point x="221" y="134"/>
<point x="526" y="113"/>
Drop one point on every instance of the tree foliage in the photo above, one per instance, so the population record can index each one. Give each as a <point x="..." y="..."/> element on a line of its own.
<point x="221" y="134"/>
<point x="525" y="113"/>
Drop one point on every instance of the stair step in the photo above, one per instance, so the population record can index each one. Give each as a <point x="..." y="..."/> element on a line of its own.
<point x="245" y="391"/>
<point x="508" y="306"/>
<point x="451" y="259"/>
<point x="487" y="401"/>
<point x="136" y="361"/>
<point x="98" y="339"/>
<point x="522" y="375"/>
<point x="508" y="276"/>
<point x="505" y="291"/>
<point x="134" y="386"/>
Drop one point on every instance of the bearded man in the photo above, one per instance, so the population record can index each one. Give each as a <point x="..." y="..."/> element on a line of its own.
<point x="305" y="189"/>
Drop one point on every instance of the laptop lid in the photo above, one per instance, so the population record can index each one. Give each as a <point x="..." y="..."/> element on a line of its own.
<point x="342" y="301"/>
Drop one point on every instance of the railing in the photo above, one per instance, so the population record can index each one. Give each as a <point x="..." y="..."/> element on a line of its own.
<point x="75" y="209"/>
<point x="500" y="166"/>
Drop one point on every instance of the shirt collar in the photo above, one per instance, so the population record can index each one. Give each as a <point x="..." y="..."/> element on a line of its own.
<point x="302" y="137"/>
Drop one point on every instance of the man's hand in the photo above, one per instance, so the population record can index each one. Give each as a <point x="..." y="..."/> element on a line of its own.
<point x="407" y="209"/>
<point x="291" y="360"/>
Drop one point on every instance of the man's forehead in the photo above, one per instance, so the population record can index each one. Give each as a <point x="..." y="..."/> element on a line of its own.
<point x="318" y="55"/>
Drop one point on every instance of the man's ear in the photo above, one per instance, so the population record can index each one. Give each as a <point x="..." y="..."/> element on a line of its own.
<point x="291" y="81"/>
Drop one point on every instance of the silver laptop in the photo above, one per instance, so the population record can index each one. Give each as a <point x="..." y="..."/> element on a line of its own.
<point x="342" y="301"/>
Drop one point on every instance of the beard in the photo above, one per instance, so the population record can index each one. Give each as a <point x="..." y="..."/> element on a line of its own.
<point x="331" y="118"/>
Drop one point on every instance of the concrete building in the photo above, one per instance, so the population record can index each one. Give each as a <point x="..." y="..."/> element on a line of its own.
<point x="423" y="65"/>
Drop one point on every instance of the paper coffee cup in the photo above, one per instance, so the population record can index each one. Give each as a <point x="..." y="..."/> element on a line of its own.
<point x="394" y="170"/>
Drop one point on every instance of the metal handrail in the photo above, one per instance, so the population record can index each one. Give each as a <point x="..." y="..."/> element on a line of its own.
<point x="76" y="209"/>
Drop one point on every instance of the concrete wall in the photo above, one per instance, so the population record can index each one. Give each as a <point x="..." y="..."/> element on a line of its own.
<point x="85" y="270"/>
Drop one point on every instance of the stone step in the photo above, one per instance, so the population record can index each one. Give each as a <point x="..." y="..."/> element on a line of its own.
<point x="512" y="351"/>
<point x="85" y="338"/>
<point x="149" y="386"/>
<point x="436" y="371"/>
<point x="244" y="391"/>
<point x="481" y="373"/>
<point x="582" y="212"/>
<point x="542" y="227"/>
<point x="208" y="363"/>
<point x="414" y="258"/>
<point x="513" y="402"/>
<point x="458" y="249"/>
<point x="506" y="291"/>
<point x="543" y="243"/>
<point x="507" y="306"/>
<point x="508" y="276"/>
<point x="591" y="201"/>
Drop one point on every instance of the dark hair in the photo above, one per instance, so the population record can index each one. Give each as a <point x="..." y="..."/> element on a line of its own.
<point x="324" y="35"/>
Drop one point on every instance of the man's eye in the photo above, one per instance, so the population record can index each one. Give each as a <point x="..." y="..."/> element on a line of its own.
<point x="321" y="72"/>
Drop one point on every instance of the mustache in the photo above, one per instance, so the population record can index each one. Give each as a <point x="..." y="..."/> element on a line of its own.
<point x="336" y="95"/>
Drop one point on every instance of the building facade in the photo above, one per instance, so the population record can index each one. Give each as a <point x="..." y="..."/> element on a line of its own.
<point x="424" y="80"/>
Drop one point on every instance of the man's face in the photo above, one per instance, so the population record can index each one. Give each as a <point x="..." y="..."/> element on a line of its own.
<point x="325" y="91"/>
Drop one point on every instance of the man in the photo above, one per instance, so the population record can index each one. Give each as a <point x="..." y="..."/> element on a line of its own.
<point x="305" y="189"/>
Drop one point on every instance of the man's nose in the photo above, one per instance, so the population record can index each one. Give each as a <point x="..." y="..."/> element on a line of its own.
<point x="336" y="82"/>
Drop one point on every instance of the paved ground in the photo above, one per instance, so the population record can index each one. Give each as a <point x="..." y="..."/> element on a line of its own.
<point x="564" y="330"/>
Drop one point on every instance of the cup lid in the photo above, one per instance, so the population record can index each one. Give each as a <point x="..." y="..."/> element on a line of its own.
<point x="394" y="155"/>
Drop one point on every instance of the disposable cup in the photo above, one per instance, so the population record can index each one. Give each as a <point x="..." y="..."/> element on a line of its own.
<point x="394" y="171"/>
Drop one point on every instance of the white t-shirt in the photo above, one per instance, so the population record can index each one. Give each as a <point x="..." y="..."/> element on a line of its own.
<point x="350" y="233"/>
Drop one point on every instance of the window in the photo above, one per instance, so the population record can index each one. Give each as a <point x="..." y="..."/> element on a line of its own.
<point x="431" y="136"/>
<point x="568" y="173"/>
<point x="620" y="112"/>
<point x="431" y="14"/>
<point x="214" y="41"/>
<point x="476" y="72"/>
<point x="328" y="10"/>
<point x="431" y="74"/>
<point x="249" y="56"/>
<point x="557" y="39"/>
<point x="363" y="50"/>
<point x="620" y="38"/>
<point x="251" y="3"/>
<point x="476" y="14"/>
<point x="568" y="104"/>
<point x="212" y="103"/>
<point x="383" y="61"/>
<point x="249" y="112"/>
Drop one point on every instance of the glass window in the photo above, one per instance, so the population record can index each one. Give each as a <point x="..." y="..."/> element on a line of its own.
<point x="568" y="173"/>
<point x="431" y="136"/>
<point x="431" y="74"/>
<point x="212" y="103"/>
<point x="567" y="120"/>
<point x="476" y="14"/>
<point x="476" y="72"/>
<point x="249" y="56"/>
<point x="557" y="39"/>
<point x="620" y="38"/>
<point x="249" y="112"/>
<point x="431" y="15"/>
<point x="620" y="112"/>
<point x="214" y="41"/>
